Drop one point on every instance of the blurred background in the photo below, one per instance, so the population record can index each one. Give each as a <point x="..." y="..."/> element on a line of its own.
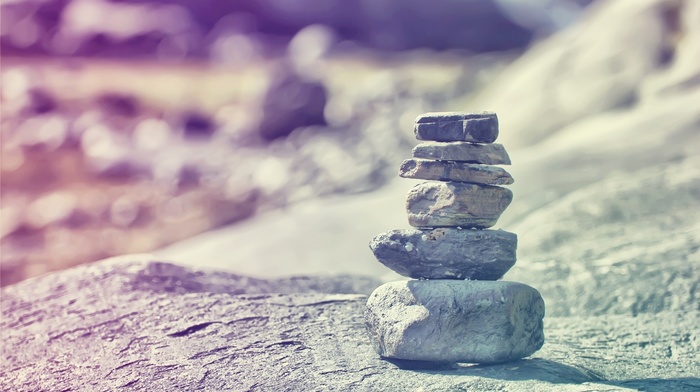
<point x="129" y="126"/>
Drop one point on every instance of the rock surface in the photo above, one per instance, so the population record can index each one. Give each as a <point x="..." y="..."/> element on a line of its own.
<point x="635" y="238"/>
<point x="455" y="127"/>
<point x="149" y="326"/>
<point x="447" y="253"/>
<point x="455" y="321"/>
<point x="489" y="154"/>
<point x="621" y="56"/>
<point x="456" y="204"/>
<point x="425" y="169"/>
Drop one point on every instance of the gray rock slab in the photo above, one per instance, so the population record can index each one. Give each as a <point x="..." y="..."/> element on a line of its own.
<point x="453" y="127"/>
<point x="488" y="154"/>
<point x="456" y="204"/>
<point x="426" y="169"/>
<point x="142" y="325"/>
<point x="455" y="321"/>
<point x="447" y="253"/>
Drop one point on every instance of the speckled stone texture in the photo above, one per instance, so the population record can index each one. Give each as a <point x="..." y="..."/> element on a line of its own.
<point x="488" y="154"/>
<point x="456" y="204"/>
<point x="425" y="169"/>
<point x="452" y="127"/>
<point x="447" y="253"/>
<point x="455" y="321"/>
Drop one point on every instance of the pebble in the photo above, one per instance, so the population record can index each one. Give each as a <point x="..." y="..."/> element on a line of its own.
<point x="454" y="171"/>
<point x="446" y="253"/>
<point x="452" y="127"/>
<point x="488" y="154"/>
<point x="453" y="204"/>
<point x="455" y="320"/>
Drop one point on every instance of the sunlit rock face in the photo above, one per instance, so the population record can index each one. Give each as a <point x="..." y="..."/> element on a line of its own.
<point x="454" y="171"/>
<point x="622" y="59"/>
<point x="607" y="178"/>
<point x="634" y="237"/>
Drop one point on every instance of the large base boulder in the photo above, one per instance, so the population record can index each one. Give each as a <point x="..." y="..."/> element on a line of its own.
<point x="455" y="321"/>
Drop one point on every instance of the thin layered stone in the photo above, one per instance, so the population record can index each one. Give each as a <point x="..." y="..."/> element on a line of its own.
<point x="488" y="154"/>
<point x="426" y="169"/>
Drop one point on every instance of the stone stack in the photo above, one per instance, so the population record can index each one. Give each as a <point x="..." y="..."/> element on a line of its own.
<point x="455" y="310"/>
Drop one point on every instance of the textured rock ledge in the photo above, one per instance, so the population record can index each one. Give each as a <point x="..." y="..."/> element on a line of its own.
<point x="143" y="325"/>
<point x="456" y="204"/>
<point x="447" y="253"/>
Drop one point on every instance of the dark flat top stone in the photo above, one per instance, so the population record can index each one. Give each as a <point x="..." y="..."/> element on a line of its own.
<point x="142" y="325"/>
<point x="455" y="127"/>
<point x="452" y="116"/>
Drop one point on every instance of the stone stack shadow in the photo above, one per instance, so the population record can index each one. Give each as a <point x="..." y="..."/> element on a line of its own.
<point x="454" y="310"/>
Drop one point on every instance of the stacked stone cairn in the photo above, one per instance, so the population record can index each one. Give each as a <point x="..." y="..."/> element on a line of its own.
<point x="454" y="310"/>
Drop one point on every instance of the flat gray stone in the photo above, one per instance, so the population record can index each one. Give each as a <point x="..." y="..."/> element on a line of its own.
<point x="447" y="253"/>
<point x="453" y="127"/>
<point x="488" y="154"/>
<point x="455" y="320"/>
<point x="454" y="171"/>
<point x="456" y="204"/>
